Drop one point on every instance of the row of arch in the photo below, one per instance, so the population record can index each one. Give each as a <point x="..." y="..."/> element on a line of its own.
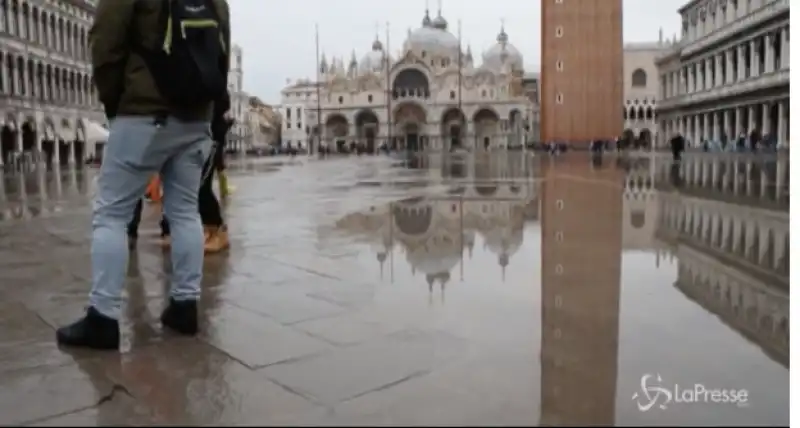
<point x="51" y="141"/>
<point x="34" y="24"/>
<point x="21" y="76"/>
<point x="638" y="113"/>
<point x="410" y="112"/>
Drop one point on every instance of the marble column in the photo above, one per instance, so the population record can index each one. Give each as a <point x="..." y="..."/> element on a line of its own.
<point x="766" y="125"/>
<point x="782" y="123"/>
<point x="769" y="53"/>
<point x="709" y="74"/>
<point x="754" y="71"/>
<point x="714" y="126"/>
<point x="718" y="78"/>
<point x="730" y="73"/>
<point x="18" y="136"/>
<point x="751" y="118"/>
<point x="697" y="134"/>
<point x="726" y="123"/>
<point x="784" y="34"/>
<point x="739" y="123"/>
<point x="741" y="70"/>
<point x="17" y="82"/>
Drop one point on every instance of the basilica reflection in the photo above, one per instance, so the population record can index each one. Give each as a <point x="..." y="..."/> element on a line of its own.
<point x="437" y="234"/>
<point x="732" y="245"/>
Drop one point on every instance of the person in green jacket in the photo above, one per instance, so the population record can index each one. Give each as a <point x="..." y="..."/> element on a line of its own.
<point x="158" y="67"/>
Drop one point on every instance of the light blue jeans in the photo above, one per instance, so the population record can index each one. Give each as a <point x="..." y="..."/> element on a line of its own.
<point x="136" y="149"/>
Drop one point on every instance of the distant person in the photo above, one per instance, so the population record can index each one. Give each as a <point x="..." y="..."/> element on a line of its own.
<point x="157" y="71"/>
<point x="678" y="146"/>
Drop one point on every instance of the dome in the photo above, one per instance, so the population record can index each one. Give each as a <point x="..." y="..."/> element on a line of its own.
<point x="502" y="53"/>
<point x="439" y="22"/>
<point x="432" y="39"/>
<point x="432" y="36"/>
<point x="373" y="61"/>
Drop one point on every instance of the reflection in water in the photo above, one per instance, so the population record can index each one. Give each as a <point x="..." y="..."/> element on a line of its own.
<point x="730" y="234"/>
<point x="42" y="193"/>
<point x="435" y="232"/>
<point x="581" y="268"/>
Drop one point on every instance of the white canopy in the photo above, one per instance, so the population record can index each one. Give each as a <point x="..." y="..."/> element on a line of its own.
<point x="95" y="133"/>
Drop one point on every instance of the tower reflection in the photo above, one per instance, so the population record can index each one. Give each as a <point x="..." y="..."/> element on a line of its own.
<point x="581" y="268"/>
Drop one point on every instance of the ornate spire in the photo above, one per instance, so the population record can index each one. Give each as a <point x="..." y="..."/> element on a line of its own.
<point x="377" y="45"/>
<point x="426" y="21"/>
<point x="440" y="23"/>
<point x="502" y="37"/>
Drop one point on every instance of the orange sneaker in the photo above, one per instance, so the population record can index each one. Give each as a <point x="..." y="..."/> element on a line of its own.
<point x="216" y="239"/>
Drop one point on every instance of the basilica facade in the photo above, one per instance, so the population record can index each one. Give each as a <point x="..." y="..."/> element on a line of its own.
<point x="420" y="100"/>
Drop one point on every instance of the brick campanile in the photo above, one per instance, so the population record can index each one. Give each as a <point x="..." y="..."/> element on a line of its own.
<point x="582" y="59"/>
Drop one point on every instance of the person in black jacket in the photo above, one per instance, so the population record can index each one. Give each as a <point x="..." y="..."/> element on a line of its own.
<point x="210" y="212"/>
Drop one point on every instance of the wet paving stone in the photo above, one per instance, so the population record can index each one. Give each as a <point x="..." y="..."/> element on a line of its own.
<point x="457" y="289"/>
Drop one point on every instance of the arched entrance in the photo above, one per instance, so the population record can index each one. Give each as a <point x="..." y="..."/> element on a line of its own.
<point x="486" y="123"/>
<point x="79" y="145"/>
<point x="336" y="130"/>
<point x="454" y="125"/>
<point x="628" y="138"/>
<point x="29" y="136"/>
<point x="367" y="127"/>
<point x="411" y="83"/>
<point x="49" y="141"/>
<point x="645" y="138"/>
<point x="409" y="119"/>
<point x="8" y="140"/>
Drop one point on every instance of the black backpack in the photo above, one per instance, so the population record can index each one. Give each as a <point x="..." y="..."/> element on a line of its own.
<point x="188" y="65"/>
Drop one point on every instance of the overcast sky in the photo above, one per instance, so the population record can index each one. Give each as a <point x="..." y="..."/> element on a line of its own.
<point x="278" y="38"/>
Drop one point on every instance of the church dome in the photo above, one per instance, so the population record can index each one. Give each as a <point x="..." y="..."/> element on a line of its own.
<point x="433" y="37"/>
<point x="373" y="61"/>
<point x="439" y="22"/>
<point x="502" y="53"/>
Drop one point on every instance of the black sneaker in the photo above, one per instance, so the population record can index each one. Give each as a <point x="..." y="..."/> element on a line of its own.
<point x="181" y="316"/>
<point x="95" y="331"/>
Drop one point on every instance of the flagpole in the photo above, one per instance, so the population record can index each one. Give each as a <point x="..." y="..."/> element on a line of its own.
<point x="319" y="95"/>
<point x="460" y="73"/>
<point x="387" y="60"/>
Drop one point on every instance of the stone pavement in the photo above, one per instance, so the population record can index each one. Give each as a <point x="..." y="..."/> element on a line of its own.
<point x="474" y="290"/>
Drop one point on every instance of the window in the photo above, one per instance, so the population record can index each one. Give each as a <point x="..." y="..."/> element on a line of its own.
<point x="560" y="204"/>
<point x="369" y="98"/>
<point x="560" y="65"/>
<point x="299" y="112"/>
<point x="559" y="98"/>
<point x="299" y="125"/>
<point x="483" y="93"/>
<point x="424" y="54"/>
<point x="452" y="95"/>
<point x="288" y="114"/>
<point x="559" y="31"/>
<point x="341" y="100"/>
